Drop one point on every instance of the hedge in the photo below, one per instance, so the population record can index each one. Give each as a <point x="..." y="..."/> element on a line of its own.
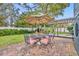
<point x="4" y="32"/>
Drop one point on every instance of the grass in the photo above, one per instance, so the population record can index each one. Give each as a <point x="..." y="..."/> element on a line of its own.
<point x="63" y="32"/>
<point x="11" y="39"/>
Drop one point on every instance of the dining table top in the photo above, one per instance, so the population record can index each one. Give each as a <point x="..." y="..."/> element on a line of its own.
<point x="41" y="35"/>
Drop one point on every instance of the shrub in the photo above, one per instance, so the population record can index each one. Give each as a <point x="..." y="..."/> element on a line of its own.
<point x="20" y="23"/>
<point x="4" y="32"/>
<point x="70" y="29"/>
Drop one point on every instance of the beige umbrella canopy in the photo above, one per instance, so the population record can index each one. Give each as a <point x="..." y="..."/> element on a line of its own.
<point x="37" y="20"/>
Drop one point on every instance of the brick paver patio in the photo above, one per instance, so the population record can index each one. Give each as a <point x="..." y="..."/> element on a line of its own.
<point x="59" y="47"/>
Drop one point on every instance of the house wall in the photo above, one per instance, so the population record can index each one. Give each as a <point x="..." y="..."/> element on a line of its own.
<point x="63" y="24"/>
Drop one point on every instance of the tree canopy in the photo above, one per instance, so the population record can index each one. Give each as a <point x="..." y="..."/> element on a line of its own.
<point x="52" y="9"/>
<point x="13" y="12"/>
<point x="2" y="20"/>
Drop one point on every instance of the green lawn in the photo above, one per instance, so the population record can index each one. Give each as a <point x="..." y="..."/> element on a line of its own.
<point x="62" y="32"/>
<point x="11" y="39"/>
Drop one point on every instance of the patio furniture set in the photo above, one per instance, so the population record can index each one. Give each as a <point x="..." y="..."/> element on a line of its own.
<point x="38" y="39"/>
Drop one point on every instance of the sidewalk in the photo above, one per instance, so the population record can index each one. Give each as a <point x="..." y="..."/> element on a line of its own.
<point x="65" y="36"/>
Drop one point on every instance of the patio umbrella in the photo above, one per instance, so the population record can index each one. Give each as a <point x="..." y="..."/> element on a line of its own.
<point x="37" y="20"/>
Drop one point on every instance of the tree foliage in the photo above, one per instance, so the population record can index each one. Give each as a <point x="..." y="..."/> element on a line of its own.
<point x="51" y="9"/>
<point x="70" y="28"/>
<point x="2" y="20"/>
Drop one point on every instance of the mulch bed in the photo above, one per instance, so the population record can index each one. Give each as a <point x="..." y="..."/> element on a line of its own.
<point x="38" y="50"/>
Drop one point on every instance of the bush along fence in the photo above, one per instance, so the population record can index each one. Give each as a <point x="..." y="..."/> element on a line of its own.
<point x="4" y="32"/>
